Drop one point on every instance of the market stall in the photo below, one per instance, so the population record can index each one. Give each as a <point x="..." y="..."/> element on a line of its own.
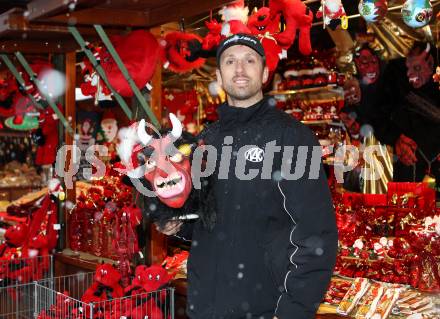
<point x="77" y="78"/>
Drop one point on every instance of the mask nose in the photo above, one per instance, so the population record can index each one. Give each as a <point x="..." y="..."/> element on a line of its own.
<point x="164" y="168"/>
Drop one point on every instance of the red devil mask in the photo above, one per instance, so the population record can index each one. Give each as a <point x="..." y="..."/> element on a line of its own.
<point x="163" y="165"/>
<point x="368" y="65"/>
<point x="419" y="67"/>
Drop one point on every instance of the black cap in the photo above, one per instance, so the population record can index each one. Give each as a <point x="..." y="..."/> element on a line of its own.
<point x="240" y="39"/>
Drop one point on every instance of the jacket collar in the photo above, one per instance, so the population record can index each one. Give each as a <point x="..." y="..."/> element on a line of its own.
<point x="231" y="115"/>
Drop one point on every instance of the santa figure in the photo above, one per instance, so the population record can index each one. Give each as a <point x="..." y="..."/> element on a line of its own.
<point x="333" y="13"/>
<point x="109" y="127"/>
<point x="235" y="17"/>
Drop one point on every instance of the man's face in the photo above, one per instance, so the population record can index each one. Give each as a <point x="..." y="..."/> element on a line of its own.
<point x="419" y="68"/>
<point x="241" y="73"/>
<point x="368" y="66"/>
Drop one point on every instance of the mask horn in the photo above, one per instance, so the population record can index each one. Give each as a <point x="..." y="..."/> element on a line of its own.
<point x="428" y="47"/>
<point x="142" y="134"/>
<point x="176" y="132"/>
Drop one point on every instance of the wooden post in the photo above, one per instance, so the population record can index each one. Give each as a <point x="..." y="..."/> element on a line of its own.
<point x="70" y="112"/>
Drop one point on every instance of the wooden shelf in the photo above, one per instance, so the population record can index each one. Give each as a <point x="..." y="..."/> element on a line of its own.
<point x="317" y="122"/>
<point x="81" y="260"/>
<point x="306" y="90"/>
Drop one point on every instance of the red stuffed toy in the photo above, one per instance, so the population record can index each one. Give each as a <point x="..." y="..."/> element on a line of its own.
<point x="298" y="17"/>
<point x="261" y="25"/>
<point x="178" y="52"/>
<point x="105" y="287"/>
<point x="140" y="52"/>
<point x="148" y="280"/>
<point x="11" y="250"/>
<point x="213" y="38"/>
<point x="47" y="138"/>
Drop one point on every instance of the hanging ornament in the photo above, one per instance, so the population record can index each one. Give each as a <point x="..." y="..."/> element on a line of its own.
<point x="417" y="13"/>
<point x="373" y="10"/>
<point x="333" y="14"/>
<point x="22" y="123"/>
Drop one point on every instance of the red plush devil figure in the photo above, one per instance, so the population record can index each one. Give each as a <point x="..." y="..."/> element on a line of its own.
<point x="298" y="17"/>
<point x="148" y="280"/>
<point x="213" y="38"/>
<point x="105" y="285"/>
<point x="264" y="27"/>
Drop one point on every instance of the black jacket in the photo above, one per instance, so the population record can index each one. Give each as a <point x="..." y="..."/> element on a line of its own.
<point x="273" y="247"/>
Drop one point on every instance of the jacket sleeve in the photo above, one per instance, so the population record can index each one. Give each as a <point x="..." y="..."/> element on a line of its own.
<point x="313" y="236"/>
<point x="185" y="232"/>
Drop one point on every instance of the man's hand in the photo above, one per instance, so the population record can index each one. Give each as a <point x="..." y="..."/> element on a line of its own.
<point x="406" y="150"/>
<point x="171" y="227"/>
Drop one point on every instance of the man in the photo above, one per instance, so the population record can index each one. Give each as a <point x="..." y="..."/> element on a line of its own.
<point x="409" y="117"/>
<point x="273" y="247"/>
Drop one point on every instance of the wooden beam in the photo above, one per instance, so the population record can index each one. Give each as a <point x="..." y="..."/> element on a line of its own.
<point x="55" y="11"/>
<point x="11" y="19"/>
<point x="156" y="82"/>
<point x="28" y="46"/>
<point x="14" y="20"/>
<point x="70" y="112"/>
<point x="182" y="9"/>
<point x="42" y="8"/>
<point x="104" y="16"/>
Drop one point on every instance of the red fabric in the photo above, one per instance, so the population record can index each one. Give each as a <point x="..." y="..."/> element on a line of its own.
<point x="46" y="154"/>
<point x="213" y="38"/>
<point x="42" y="235"/>
<point x="406" y="149"/>
<point x="185" y="101"/>
<point x="176" y="51"/>
<point x="140" y="52"/>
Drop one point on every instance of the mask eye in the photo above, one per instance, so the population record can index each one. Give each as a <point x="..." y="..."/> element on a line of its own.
<point x="150" y="277"/>
<point x="176" y="158"/>
<point x="150" y="163"/>
<point x="157" y="277"/>
<point x="141" y="158"/>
